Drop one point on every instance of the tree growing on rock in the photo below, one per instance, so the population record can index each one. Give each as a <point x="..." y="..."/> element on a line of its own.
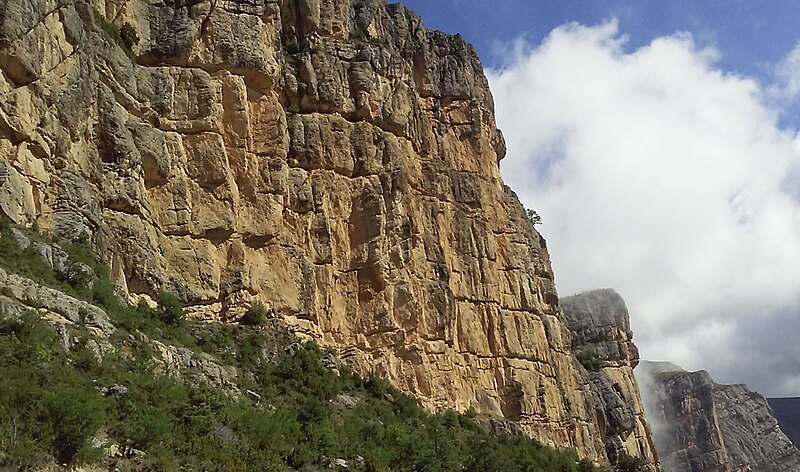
<point x="534" y="217"/>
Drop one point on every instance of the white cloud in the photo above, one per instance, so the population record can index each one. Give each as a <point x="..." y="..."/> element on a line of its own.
<point x="787" y="75"/>
<point x="659" y="175"/>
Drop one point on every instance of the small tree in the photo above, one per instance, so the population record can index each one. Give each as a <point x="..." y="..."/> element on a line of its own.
<point x="590" y="360"/>
<point x="628" y="463"/>
<point x="75" y="418"/>
<point x="534" y="217"/>
<point x="128" y="36"/>
<point x="255" y="315"/>
<point x="170" y="309"/>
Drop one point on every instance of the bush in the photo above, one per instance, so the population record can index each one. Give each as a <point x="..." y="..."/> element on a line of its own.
<point x="299" y="422"/>
<point x="104" y="293"/>
<point x="170" y="309"/>
<point x="26" y="262"/>
<point x="628" y="463"/>
<point x="591" y="361"/>
<point x="128" y="36"/>
<point x="255" y="315"/>
<point x="124" y="36"/>
<point x="8" y="244"/>
<point x="292" y="47"/>
<point x="49" y="409"/>
<point x="75" y="415"/>
<point x="585" y="465"/>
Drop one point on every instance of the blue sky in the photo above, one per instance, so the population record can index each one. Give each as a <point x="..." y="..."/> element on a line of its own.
<point x="750" y="34"/>
<point x="658" y="141"/>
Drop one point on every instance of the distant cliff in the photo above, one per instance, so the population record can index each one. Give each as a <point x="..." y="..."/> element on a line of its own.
<point x="703" y="426"/>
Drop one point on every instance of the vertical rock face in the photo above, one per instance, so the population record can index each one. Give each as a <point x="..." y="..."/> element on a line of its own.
<point x="700" y="425"/>
<point x="332" y="159"/>
<point x="602" y="340"/>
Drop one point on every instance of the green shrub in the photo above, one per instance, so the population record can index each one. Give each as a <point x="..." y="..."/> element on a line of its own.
<point x="292" y="47"/>
<point x="26" y="262"/>
<point x="104" y="293"/>
<point x="255" y="315"/>
<point x="591" y="361"/>
<point x="628" y="463"/>
<point x="585" y="465"/>
<point x="51" y="408"/>
<point x="125" y="36"/>
<point x="8" y="244"/>
<point x="170" y="309"/>
<point x="128" y="36"/>
<point x="298" y="424"/>
<point x="75" y="415"/>
<point x="107" y="26"/>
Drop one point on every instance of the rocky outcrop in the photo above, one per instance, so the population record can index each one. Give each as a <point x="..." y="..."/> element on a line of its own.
<point x="332" y="159"/>
<point x="704" y="426"/>
<point x="603" y="342"/>
<point x="21" y="293"/>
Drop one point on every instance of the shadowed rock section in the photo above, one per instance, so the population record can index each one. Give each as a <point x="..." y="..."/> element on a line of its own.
<point x="333" y="160"/>
<point x="700" y="425"/>
<point x="787" y="412"/>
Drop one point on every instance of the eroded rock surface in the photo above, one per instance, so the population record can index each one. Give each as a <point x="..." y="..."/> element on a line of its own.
<point x="332" y="159"/>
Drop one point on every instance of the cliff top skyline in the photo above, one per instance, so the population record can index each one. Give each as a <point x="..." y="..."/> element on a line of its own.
<point x="751" y="37"/>
<point x="658" y="141"/>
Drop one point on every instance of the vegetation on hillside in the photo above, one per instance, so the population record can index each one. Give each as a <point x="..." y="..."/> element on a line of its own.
<point x="306" y="418"/>
<point x="65" y="398"/>
<point x="591" y="361"/>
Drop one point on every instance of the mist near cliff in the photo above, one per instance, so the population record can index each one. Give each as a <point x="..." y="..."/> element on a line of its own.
<point x="670" y="180"/>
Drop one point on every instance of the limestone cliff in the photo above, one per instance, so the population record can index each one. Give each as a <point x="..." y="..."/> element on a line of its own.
<point x="332" y="159"/>
<point x="701" y="425"/>
<point x="603" y="341"/>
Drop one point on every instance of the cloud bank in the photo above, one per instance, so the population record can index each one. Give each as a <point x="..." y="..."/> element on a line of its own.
<point x="659" y="175"/>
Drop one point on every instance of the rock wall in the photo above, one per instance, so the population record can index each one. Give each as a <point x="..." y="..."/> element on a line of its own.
<point x="603" y="341"/>
<point x="706" y="426"/>
<point x="332" y="159"/>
